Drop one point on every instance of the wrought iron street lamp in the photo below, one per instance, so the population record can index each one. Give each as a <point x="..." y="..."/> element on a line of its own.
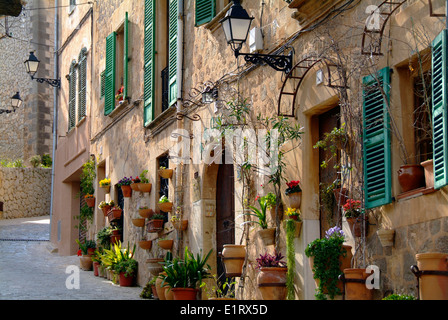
<point x="236" y="25"/>
<point x="32" y="65"/>
<point x="16" y="102"/>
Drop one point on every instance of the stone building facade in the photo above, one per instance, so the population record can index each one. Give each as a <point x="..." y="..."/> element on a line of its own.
<point x="132" y="44"/>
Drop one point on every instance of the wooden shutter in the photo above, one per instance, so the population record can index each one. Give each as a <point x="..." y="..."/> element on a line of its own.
<point x="109" y="92"/>
<point x="72" y="96"/>
<point x="439" y="110"/>
<point x="82" y="84"/>
<point x="125" y="56"/>
<point x="376" y="139"/>
<point x="205" y="11"/>
<point x="149" y="53"/>
<point x="172" y="59"/>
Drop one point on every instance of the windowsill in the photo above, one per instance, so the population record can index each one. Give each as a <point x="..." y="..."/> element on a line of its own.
<point x="118" y="108"/>
<point x="213" y="25"/>
<point x="415" y="193"/>
<point x="161" y="122"/>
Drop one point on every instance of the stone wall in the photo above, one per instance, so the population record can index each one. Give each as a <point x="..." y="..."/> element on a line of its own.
<point x="25" y="192"/>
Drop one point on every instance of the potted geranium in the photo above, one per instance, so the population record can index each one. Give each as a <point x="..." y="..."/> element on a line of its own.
<point x="90" y="200"/>
<point x="165" y="204"/>
<point x="144" y="185"/>
<point x="272" y="276"/>
<point x="328" y="257"/>
<point x="352" y="213"/>
<point x="135" y="183"/>
<point x="105" y="184"/>
<point x="119" y="96"/>
<point x="294" y="192"/>
<point x="125" y="185"/>
<point x="85" y="253"/>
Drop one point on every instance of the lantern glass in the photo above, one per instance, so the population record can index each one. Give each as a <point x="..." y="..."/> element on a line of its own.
<point x="16" y="101"/>
<point x="236" y="25"/>
<point x="32" y="64"/>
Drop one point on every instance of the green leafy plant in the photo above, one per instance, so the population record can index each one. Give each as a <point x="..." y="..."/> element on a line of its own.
<point x="260" y="213"/>
<point x="290" y="258"/>
<point x="326" y="268"/>
<point x="395" y="296"/>
<point x="127" y="266"/>
<point x="219" y="289"/>
<point x="333" y="141"/>
<point x="164" y="199"/>
<point x="36" y="161"/>
<point x="87" y="177"/>
<point x="87" y="244"/>
<point x="143" y="177"/>
<point x="103" y="237"/>
<point x="157" y="216"/>
<point x="47" y="162"/>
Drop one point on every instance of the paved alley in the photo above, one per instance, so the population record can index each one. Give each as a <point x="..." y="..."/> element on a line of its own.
<point x="29" y="271"/>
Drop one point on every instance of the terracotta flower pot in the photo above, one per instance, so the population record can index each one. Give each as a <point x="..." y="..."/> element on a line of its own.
<point x="126" y="281"/>
<point x="356" y="290"/>
<point x="85" y="262"/>
<point x="145" y="213"/>
<point x="169" y="294"/>
<point x="233" y="256"/>
<point x="160" y="290"/>
<point x="165" y="244"/>
<point x="411" y="177"/>
<point x="428" y="168"/>
<point x="274" y="215"/>
<point x="267" y="236"/>
<point x="155" y="266"/>
<point x="106" y="209"/>
<point x="295" y="200"/>
<point x="155" y="225"/>
<point x="184" y="293"/>
<point x="180" y="225"/>
<point x="90" y="202"/>
<point x="140" y="223"/>
<point x="135" y="186"/>
<point x="166" y="173"/>
<point x="145" y="187"/>
<point x="272" y="283"/>
<point x="165" y="206"/>
<point x="145" y="244"/>
<point x="433" y="287"/>
<point x="115" y="238"/>
<point x="127" y="191"/>
<point x="106" y="189"/>
<point x="114" y="213"/>
<point x="356" y="225"/>
<point x="386" y="237"/>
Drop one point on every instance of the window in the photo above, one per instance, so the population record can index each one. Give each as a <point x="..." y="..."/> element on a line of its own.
<point x="422" y="116"/>
<point x="72" y="95"/>
<point x="77" y="78"/>
<point x="82" y="84"/>
<point x="206" y="10"/>
<point x="116" y="72"/>
<point x="72" y="5"/>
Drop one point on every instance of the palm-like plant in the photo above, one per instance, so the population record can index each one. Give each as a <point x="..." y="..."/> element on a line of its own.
<point x="260" y="213"/>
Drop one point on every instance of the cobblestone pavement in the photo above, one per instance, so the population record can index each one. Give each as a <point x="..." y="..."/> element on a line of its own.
<point x="29" y="271"/>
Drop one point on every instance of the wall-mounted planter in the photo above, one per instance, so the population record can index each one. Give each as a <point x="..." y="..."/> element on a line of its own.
<point x="139" y="222"/>
<point x="165" y="244"/>
<point x="106" y="209"/>
<point x="386" y="237"/>
<point x="106" y="189"/>
<point x="127" y="191"/>
<point x="145" y="213"/>
<point x="166" y="173"/>
<point x="298" y="227"/>
<point x="135" y="186"/>
<point x="295" y="200"/>
<point x="267" y="236"/>
<point x="155" y="225"/>
<point x="180" y="225"/>
<point x="90" y="202"/>
<point x="114" y="213"/>
<point x="145" y="187"/>
<point x="145" y="244"/>
<point x="165" y="206"/>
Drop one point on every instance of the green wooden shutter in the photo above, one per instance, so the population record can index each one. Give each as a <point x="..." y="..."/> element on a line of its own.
<point x="72" y="96"/>
<point x="126" y="56"/>
<point x="82" y="84"/>
<point x="439" y="110"/>
<point x="376" y="140"/>
<point x="205" y="11"/>
<point x="172" y="59"/>
<point x="109" y="94"/>
<point x="149" y="53"/>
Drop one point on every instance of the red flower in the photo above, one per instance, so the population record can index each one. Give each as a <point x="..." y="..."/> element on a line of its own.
<point x="79" y="252"/>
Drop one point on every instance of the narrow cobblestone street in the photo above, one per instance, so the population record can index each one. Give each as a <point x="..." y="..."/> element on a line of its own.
<point x="29" y="271"/>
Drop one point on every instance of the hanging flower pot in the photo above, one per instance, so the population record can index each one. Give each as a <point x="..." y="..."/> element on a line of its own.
<point x="135" y="186"/>
<point x="386" y="237"/>
<point x="279" y="212"/>
<point x="114" y="213"/>
<point x="166" y="173"/>
<point x="432" y="275"/>
<point x="105" y="185"/>
<point x="180" y="225"/>
<point x="127" y="191"/>
<point x="145" y="187"/>
<point x="165" y="244"/>
<point x="233" y="256"/>
<point x="155" y="224"/>
<point x="355" y="286"/>
<point x="145" y="212"/>
<point x="106" y="209"/>
<point x="165" y="206"/>
<point x="411" y="177"/>
<point x="90" y="201"/>
<point x="428" y="168"/>
<point x="267" y="236"/>
<point x="145" y="244"/>
<point x="357" y="225"/>
<point x="140" y="223"/>
<point x="294" y="193"/>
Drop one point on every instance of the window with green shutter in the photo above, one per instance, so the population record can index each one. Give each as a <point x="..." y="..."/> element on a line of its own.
<point x="205" y="11"/>
<point x="376" y="139"/>
<point x="172" y="58"/>
<point x="72" y="96"/>
<point x="149" y="54"/>
<point x="439" y="110"/>
<point x="125" y="56"/>
<point x="82" y="84"/>
<point x="109" y="90"/>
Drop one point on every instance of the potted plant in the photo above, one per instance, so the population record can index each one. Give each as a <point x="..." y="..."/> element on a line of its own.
<point x="135" y="183"/>
<point x="96" y="261"/>
<point x="352" y="212"/>
<point x="271" y="278"/>
<point x="177" y="221"/>
<point x="328" y="257"/>
<point x="395" y="296"/>
<point x="156" y="222"/>
<point x="294" y="192"/>
<point x="294" y="215"/>
<point x="165" y="173"/>
<point x="105" y="184"/>
<point x="271" y="201"/>
<point x="428" y="168"/>
<point x="431" y="286"/>
<point x="164" y="204"/>
<point x="145" y="244"/>
<point x="185" y="276"/>
<point x="116" y="235"/>
<point x="355" y="284"/>
<point x="127" y="269"/>
<point x="138" y="222"/>
<point x="90" y="200"/>
<point x="105" y="207"/>
<point x="266" y="234"/>
<point x="144" y="185"/>
<point x="411" y="176"/>
<point x="166" y="244"/>
<point x="103" y="237"/>
<point x="125" y="185"/>
<point x="219" y="290"/>
<point x="145" y="212"/>
<point x="120" y="95"/>
<point x="85" y="253"/>
<point x="114" y="213"/>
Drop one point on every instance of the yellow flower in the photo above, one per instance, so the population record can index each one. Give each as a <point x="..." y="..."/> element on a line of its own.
<point x="292" y="212"/>
<point x="105" y="182"/>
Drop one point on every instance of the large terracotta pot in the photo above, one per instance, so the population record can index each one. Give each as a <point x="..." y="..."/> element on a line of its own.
<point x="411" y="177"/>
<point x="295" y="200"/>
<point x="428" y="168"/>
<point x="233" y="256"/>
<point x="145" y="187"/>
<point x="345" y="263"/>
<point x="184" y="293"/>
<point x="126" y="281"/>
<point x="433" y="287"/>
<point x="127" y="191"/>
<point x="85" y="262"/>
<point x="272" y="283"/>
<point x="160" y="290"/>
<point x="267" y="236"/>
<point x="357" y="290"/>
<point x="169" y="294"/>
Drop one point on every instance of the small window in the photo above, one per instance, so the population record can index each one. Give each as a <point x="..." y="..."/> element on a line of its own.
<point x="72" y="5"/>
<point x="103" y="83"/>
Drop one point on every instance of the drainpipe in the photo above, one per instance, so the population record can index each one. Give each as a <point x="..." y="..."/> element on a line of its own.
<point x="55" y="109"/>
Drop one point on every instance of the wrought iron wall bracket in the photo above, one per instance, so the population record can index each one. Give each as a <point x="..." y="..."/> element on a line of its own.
<point x="278" y="62"/>
<point x="56" y="83"/>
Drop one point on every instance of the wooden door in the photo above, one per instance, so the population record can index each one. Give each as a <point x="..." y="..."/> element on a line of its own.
<point x="327" y="122"/>
<point x="225" y="211"/>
